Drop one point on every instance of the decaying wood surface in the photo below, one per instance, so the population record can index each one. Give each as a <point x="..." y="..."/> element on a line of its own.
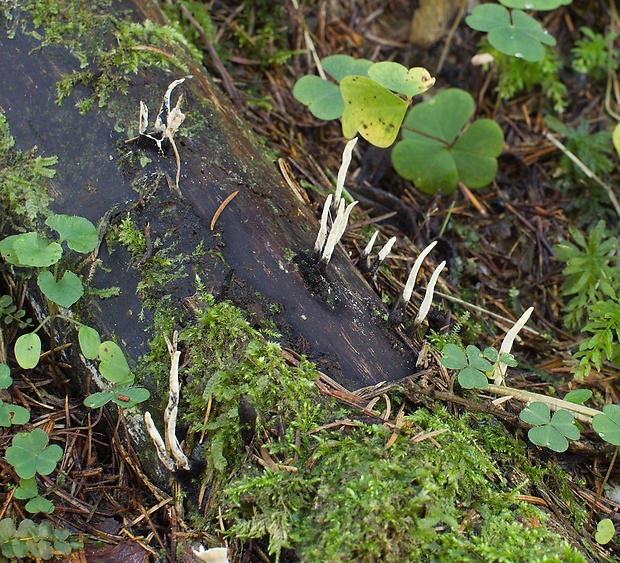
<point x="335" y="319"/>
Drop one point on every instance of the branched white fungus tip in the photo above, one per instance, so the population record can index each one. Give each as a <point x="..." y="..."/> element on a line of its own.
<point x="213" y="555"/>
<point x="414" y="272"/>
<point x="320" y="239"/>
<point x="366" y="252"/>
<point x="332" y="238"/>
<point x="387" y="247"/>
<point x="160" y="446"/>
<point x="428" y="296"/>
<point x="344" y="167"/>
<point x="500" y="370"/>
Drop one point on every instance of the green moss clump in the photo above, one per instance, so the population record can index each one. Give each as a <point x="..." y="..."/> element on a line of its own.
<point x="344" y="493"/>
<point x="228" y="358"/>
<point x="412" y="502"/>
<point x="109" y="50"/>
<point x="23" y="193"/>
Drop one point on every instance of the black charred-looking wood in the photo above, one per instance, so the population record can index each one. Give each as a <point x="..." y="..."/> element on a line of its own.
<point x="340" y="317"/>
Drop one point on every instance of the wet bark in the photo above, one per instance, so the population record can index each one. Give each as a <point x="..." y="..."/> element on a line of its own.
<point x="255" y="247"/>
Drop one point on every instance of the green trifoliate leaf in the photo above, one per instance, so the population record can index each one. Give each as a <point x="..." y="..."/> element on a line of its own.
<point x="30" y="454"/>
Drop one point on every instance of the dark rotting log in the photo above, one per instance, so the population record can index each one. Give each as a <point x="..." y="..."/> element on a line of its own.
<point x="264" y="235"/>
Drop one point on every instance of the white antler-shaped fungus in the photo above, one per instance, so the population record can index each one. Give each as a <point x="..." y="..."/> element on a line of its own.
<point x="171" y="444"/>
<point x="428" y="296"/>
<point x="409" y="285"/>
<point x="342" y="173"/>
<point x="337" y="230"/>
<point x="500" y="370"/>
<point x="320" y="239"/>
<point x="368" y="249"/>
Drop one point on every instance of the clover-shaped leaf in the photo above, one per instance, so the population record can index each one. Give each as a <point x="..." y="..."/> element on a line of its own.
<point x="13" y="414"/>
<point x="114" y="366"/>
<point x="125" y="397"/>
<point x="5" y="376"/>
<point x="339" y="66"/>
<point x="30" y="454"/>
<point x="472" y="364"/>
<point x="578" y="396"/>
<point x="323" y="98"/>
<point x="39" y="505"/>
<point x="27" y="350"/>
<point x="27" y="489"/>
<point x="30" y="249"/>
<point x="396" y="77"/>
<point x="79" y="233"/>
<point x="548" y="437"/>
<point x="438" y="150"/>
<point x="550" y="432"/>
<point x="517" y="34"/>
<point x="542" y="5"/>
<point x="536" y="413"/>
<point x="64" y="292"/>
<point x="607" y="425"/>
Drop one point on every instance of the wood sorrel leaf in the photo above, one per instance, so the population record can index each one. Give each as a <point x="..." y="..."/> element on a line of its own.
<point x="396" y="77"/>
<point x="372" y="110"/>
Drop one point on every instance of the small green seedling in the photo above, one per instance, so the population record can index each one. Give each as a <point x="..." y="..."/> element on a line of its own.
<point x="607" y="424"/>
<point x="475" y="366"/>
<point x="550" y="431"/>
<point x="605" y="530"/>
<point x="29" y="454"/>
<point x="541" y="5"/>
<point x="439" y="149"/>
<point x="125" y="397"/>
<point x="28" y="490"/>
<point x="34" y="541"/>
<point x="32" y="250"/>
<point x="372" y="98"/>
<point x="10" y="313"/>
<point x="516" y="34"/>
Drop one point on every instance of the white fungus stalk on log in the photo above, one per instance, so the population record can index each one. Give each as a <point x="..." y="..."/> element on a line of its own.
<point x="500" y="370"/>
<point x="368" y="249"/>
<point x="169" y="450"/>
<point x="409" y="285"/>
<point x="320" y="239"/>
<point x="337" y="230"/>
<point x="342" y="173"/>
<point x="213" y="555"/>
<point x="428" y="296"/>
<point x="387" y="248"/>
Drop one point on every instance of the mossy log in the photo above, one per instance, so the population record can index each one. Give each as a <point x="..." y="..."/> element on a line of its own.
<point x="255" y="253"/>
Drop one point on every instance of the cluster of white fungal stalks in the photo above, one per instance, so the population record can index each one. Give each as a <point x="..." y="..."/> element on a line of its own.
<point x="326" y="243"/>
<point x="327" y="239"/>
<point x="169" y="450"/>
